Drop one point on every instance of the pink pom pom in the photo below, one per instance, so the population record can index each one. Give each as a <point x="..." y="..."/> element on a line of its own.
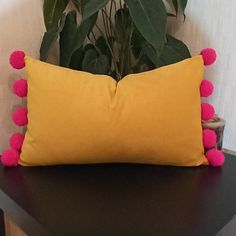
<point x="209" y="138"/>
<point x="215" y="157"/>
<point x="16" y="141"/>
<point x="10" y="158"/>
<point x="17" y="60"/>
<point x="20" y="117"/>
<point x="209" y="56"/>
<point x="20" y="88"/>
<point x="208" y="111"/>
<point x="206" y="88"/>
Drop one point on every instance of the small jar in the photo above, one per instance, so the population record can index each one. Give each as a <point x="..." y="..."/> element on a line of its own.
<point x="217" y="124"/>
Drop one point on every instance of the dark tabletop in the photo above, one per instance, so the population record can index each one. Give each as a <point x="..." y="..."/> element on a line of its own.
<point x="120" y="199"/>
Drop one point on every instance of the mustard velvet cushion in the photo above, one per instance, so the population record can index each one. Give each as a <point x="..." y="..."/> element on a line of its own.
<point x="76" y="117"/>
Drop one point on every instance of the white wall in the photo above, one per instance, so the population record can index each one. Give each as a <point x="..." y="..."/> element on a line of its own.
<point x="21" y="27"/>
<point x="210" y="23"/>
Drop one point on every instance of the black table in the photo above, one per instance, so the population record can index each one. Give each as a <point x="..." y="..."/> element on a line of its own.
<point x="120" y="199"/>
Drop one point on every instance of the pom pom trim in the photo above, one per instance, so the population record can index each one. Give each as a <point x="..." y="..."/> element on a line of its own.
<point x="10" y="158"/>
<point x="17" y="60"/>
<point x="207" y="111"/>
<point x="206" y="88"/>
<point x="209" y="56"/>
<point x="16" y="141"/>
<point x="20" y="88"/>
<point x="215" y="157"/>
<point x="20" y="117"/>
<point x="209" y="138"/>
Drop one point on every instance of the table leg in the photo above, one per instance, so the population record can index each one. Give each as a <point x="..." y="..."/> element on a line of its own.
<point x="2" y="226"/>
<point x="11" y="229"/>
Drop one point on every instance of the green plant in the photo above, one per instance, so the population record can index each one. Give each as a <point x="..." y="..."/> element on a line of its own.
<point x="113" y="37"/>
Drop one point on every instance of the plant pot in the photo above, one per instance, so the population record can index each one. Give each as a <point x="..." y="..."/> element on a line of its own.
<point x="217" y="124"/>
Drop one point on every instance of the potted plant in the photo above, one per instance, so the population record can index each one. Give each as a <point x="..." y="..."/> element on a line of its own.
<point x="115" y="37"/>
<point x="112" y="37"/>
<point x="217" y="124"/>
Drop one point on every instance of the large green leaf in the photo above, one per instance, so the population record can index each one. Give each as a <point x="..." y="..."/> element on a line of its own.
<point x="150" y="52"/>
<point x="77" y="59"/>
<point x="90" y="7"/>
<point x="136" y="43"/>
<point x="83" y="30"/>
<point x="50" y="38"/>
<point x="67" y="37"/>
<point x="52" y="11"/>
<point x="179" y="4"/>
<point x="150" y="19"/>
<point x="183" y="4"/>
<point x="72" y="36"/>
<point x="123" y="22"/>
<point x="101" y="45"/>
<point x="124" y="27"/>
<point x="174" y="51"/>
<point x="95" y="63"/>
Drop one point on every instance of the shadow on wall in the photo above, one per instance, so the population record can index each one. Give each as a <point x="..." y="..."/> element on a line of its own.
<point x="187" y="31"/>
<point x="22" y="27"/>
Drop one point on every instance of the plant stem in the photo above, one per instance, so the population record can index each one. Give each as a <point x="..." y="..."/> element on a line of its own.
<point x="120" y="4"/>
<point x="104" y="24"/>
<point x="115" y="6"/>
<point x="111" y="6"/>
<point x="111" y="24"/>
<point x="111" y="40"/>
<point x="122" y="44"/>
<point x="94" y="37"/>
<point x="108" y="22"/>
<point x="125" y="62"/>
<point x="129" y="47"/>
<point x="110" y="16"/>
<point x="111" y="51"/>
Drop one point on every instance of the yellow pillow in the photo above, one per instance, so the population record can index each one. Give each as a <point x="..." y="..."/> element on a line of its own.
<point x="76" y="117"/>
